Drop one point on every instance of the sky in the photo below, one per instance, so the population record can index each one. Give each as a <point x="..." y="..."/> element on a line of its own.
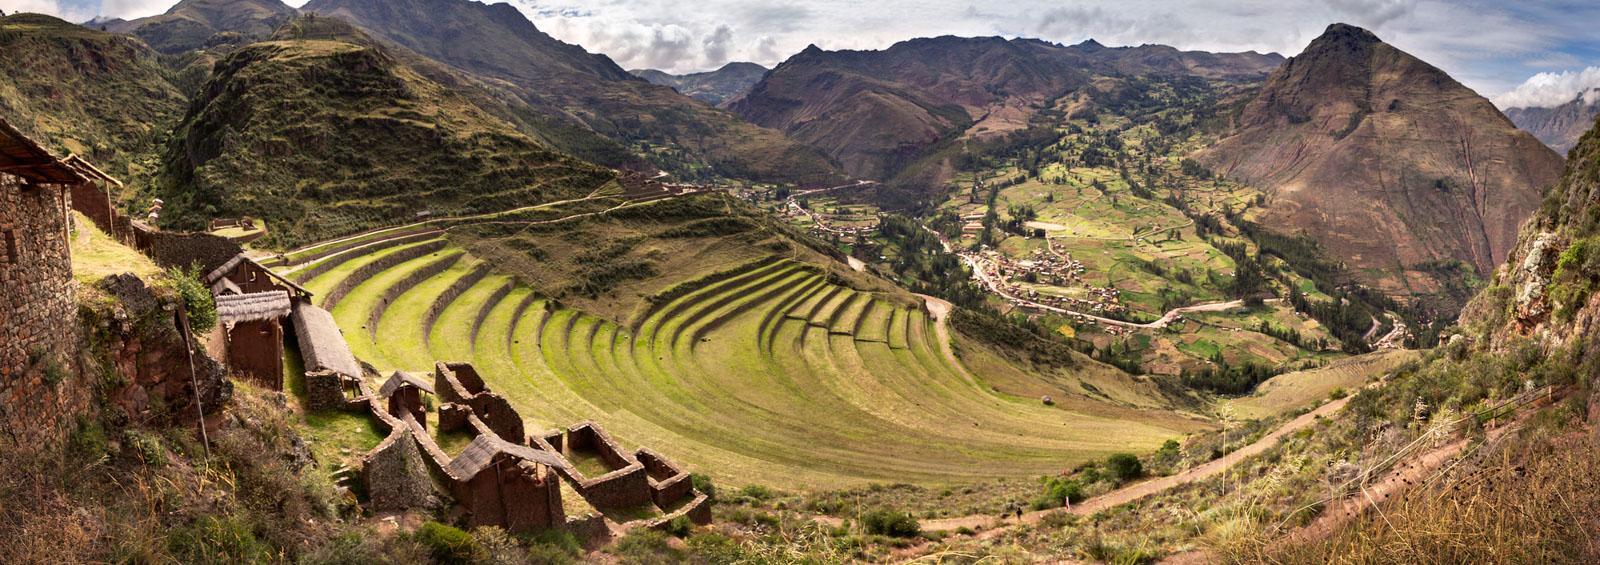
<point x="1518" y="53"/>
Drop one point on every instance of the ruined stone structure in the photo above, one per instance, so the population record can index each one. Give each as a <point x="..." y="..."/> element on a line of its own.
<point x="38" y="387"/>
<point x="252" y="327"/>
<point x="95" y="200"/>
<point x="402" y="396"/>
<point x="508" y="485"/>
<point x="252" y="304"/>
<point x="459" y="383"/>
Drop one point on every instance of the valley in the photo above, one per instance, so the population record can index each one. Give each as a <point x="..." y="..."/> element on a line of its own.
<point x="423" y="281"/>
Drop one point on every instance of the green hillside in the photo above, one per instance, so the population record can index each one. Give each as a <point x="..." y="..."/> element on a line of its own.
<point x="100" y="95"/>
<point x="323" y="132"/>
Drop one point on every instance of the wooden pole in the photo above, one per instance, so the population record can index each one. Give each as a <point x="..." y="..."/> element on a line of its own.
<point x="199" y="408"/>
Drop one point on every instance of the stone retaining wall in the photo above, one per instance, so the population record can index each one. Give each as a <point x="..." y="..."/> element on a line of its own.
<point x="367" y="271"/>
<point x="451" y="294"/>
<point x="355" y="250"/>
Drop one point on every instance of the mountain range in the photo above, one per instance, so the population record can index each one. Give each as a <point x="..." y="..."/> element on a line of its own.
<point x="712" y="87"/>
<point x="1562" y="126"/>
<point x="1387" y="161"/>
<point x="876" y="112"/>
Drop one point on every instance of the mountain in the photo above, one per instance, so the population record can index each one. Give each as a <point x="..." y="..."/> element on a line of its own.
<point x="1546" y="290"/>
<point x="712" y="87"/>
<point x="322" y="131"/>
<point x="1387" y="161"/>
<point x="198" y="24"/>
<point x="562" y="82"/>
<point x="1562" y="126"/>
<point x="100" y="95"/>
<point x="876" y="112"/>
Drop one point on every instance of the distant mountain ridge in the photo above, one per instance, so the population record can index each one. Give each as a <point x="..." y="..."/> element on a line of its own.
<point x="712" y="87"/>
<point x="1562" y="126"/>
<point x="1387" y="161"/>
<point x="196" y="24"/>
<point x="565" y="83"/>
<point x="877" y="111"/>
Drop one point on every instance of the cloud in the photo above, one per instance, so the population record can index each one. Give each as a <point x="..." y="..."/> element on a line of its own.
<point x="716" y="45"/>
<point x="1545" y="90"/>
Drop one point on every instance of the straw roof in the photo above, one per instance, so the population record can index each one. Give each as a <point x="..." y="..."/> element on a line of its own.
<point x="23" y="157"/>
<point x="212" y="278"/>
<point x="322" y="345"/>
<point x="400" y="379"/>
<point x="482" y="451"/>
<point x="255" y="307"/>
<point x="89" y="171"/>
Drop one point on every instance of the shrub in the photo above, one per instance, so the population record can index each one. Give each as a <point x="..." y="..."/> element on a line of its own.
<point x="891" y="523"/>
<point x="703" y="484"/>
<point x="1124" y="466"/>
<point x="196" y="298"/>
<point x="646" y="546"/>
<point x="447" y="544"/>
<point x="679" y="527"/>
<point x="215" y="540"/>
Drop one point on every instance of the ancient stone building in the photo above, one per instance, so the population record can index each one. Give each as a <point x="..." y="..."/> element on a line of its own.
<point x="508" y="485"/>
<point x="403" y="395"/>
<point x="38" y="308"/>
<point x="252" y="328"/>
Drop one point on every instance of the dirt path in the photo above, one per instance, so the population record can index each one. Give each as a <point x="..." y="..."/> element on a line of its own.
<point x="1142" y="489"/>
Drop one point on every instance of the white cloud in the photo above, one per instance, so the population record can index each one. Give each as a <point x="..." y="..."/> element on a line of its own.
<point x="1487" y="44"/>
<point x="1545" y="90"/>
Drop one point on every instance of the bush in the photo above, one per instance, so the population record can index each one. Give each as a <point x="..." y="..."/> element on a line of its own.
<point x="216" y="540"/>
<point x="703" y="484"/>
<point x="891" y="523"/>
<point x="679" y="527"/>
<point x="646" y="546"/>
<point x="196" y="298"/>
<point x="1124" y="466"/>
<point x="447" y="544"/>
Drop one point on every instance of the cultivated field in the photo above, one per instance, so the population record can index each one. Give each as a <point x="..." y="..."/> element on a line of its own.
<point x="768" y="372"/>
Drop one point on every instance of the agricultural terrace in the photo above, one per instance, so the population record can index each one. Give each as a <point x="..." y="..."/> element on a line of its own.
<point x="727" y="352"/>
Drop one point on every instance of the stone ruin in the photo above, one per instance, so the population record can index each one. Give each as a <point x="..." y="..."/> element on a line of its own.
<point x="504" y="477"/>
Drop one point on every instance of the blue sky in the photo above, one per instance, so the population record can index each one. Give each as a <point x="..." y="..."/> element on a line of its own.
<point x="1517" y="53"/>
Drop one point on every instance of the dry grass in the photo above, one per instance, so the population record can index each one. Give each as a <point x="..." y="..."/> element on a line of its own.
<point x="1531" y="503"/>
<point x="96" y="255"/>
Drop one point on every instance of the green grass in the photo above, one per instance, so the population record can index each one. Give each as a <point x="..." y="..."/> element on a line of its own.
<point x="734" y="380"/>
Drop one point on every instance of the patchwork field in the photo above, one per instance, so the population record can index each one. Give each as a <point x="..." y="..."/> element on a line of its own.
<point x="769" y="372"/>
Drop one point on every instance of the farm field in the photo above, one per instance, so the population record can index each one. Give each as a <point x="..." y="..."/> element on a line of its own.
<point x="1300" y="389"/>
<point x="728" y="373"/>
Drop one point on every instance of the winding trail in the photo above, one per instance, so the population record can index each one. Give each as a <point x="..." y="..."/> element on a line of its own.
<point x="1142" y="489"/>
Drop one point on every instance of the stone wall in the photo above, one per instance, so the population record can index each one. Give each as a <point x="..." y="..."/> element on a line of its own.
<point x="140" y="339"/>
<point x="40" y="390"/>
<point x="175" y="249"/>
<point x="92" y="201"/>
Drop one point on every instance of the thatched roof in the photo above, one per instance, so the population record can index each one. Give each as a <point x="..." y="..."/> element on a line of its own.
<point x="322" y="345"/>
<point x="402" y="378"/>
<point x="255" y="307"/>
<point x="225" y="286"/>
<point x="222" y="271"/>
<point x="23" y="157"/>
<point x="481" y="453"/>
<point x="89" y="171"/>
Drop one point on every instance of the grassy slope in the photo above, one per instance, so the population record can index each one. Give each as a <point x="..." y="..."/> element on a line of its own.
<point x="321" y="132"/>
<point x="100" y="95"/>
<point x="697" y="381"/>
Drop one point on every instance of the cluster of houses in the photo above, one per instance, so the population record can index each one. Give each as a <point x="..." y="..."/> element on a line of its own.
<point x="821" y="224"/>
<point x="505" y="477"/>
<point x="1044" y="268"/>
